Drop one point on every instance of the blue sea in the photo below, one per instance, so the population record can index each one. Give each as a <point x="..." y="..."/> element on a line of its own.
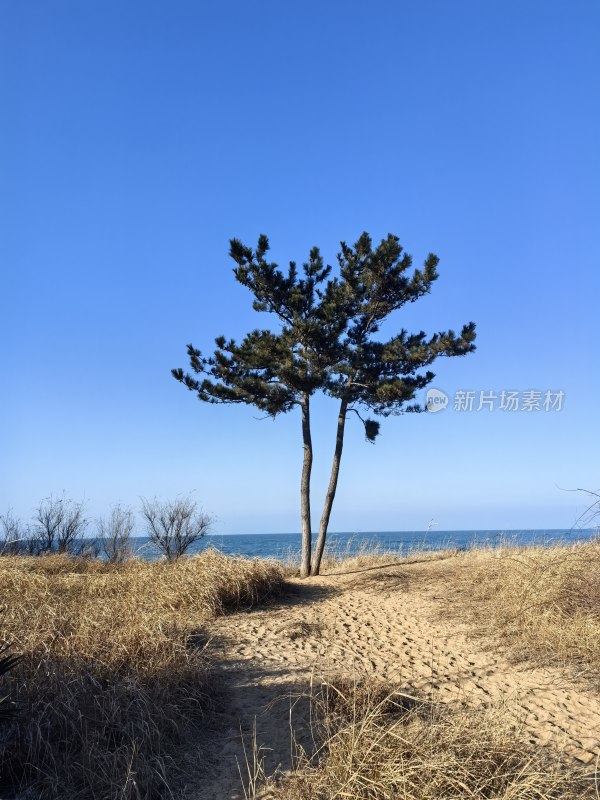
<point x="286" y="546"/>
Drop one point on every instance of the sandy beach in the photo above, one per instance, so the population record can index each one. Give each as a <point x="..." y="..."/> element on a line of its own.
<point x="395" y="623"/>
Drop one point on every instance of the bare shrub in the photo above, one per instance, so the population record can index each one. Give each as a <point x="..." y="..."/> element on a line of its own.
<point x="173" y="526"/>
<point x="13" y="535"/>
<point x="59" y="526"/>
<point x="114" y="534"/>
<point x="591" y="515"/>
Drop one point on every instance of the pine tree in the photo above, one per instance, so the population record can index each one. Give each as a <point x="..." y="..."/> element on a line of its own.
<point x="326" y="342"/>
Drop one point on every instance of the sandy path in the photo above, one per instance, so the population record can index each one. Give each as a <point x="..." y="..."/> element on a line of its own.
<point x="387" y="623"/>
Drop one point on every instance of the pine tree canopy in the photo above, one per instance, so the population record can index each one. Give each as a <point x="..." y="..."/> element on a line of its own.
<point x="326" y="334"/>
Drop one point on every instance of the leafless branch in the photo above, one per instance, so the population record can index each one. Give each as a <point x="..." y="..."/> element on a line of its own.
<point x="174" y="526"/>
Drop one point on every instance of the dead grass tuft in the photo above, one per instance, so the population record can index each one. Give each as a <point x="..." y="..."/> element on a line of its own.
<point x="302" y="630"/>
<point x="376" y="743"/>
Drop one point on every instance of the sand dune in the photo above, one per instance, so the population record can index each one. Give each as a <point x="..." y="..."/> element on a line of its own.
<point x="392" y="623"/>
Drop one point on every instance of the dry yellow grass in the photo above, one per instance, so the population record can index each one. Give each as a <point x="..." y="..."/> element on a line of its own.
<point x="376" y="743"/>
<point x="362" y="554"/>
<point x="542" y="603"/>
<point x="114" y="683"/>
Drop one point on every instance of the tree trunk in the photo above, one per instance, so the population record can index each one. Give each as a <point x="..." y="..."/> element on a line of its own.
<point x="305" y="489"/>
<point x="335" y="471"/>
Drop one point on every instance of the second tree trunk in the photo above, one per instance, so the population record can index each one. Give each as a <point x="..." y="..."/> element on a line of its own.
<point x="333" y="480"/>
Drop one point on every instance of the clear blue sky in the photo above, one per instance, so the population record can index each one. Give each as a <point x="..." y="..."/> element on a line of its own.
<point x="138" y="137"/>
